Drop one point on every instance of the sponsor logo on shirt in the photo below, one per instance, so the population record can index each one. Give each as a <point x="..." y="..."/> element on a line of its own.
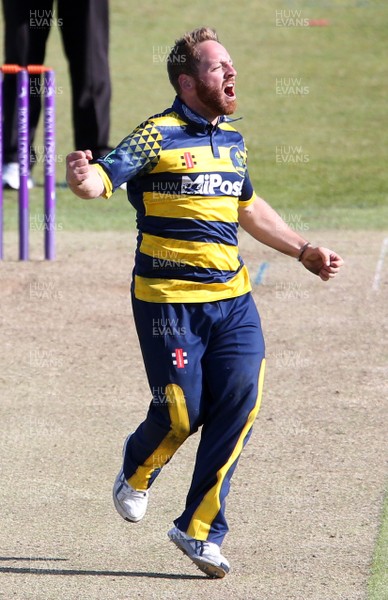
<point x="212" y="184"/>
<point x="179" y="358"/>
<point x="188" y="160"/>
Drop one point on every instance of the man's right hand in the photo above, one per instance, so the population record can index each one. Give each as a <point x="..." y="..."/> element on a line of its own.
<point x="83" y="178"/>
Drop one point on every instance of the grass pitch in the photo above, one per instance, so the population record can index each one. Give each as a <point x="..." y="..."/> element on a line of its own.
<point x="312" y="101"/>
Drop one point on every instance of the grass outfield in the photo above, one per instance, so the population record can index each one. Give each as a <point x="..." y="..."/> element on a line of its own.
<point x="313" y="102"/>
<point x="378" y="582"/>
<point x="312" y="99"/>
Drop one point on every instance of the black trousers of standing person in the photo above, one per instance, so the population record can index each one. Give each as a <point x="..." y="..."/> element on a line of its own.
<point x="84" y="27"/>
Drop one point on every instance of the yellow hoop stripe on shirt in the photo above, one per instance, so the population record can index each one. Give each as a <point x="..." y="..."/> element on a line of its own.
<point x="202" y="161"/>
<point x="209" y="507"/>
<point x="171" y="120"/>
<point x="180" y="430"/>
<point x="179" y="290"/>
<point x="165" y="251"/>
<point x="204" y="208"/>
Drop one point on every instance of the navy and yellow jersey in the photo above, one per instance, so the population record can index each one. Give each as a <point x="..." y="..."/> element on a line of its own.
<point x="186" y="179"/>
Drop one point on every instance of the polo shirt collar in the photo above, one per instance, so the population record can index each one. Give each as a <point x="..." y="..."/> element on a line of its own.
<point x="194" y="118"/>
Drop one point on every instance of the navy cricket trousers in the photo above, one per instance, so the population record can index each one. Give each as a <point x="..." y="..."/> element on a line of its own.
<point x="205" y="367"/>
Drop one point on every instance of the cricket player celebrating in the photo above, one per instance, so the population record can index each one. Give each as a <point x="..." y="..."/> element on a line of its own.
<point x="198" y="327"/>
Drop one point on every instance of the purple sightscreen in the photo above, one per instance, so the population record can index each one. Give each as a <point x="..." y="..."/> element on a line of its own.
<point x="24" y="161"/>
<point x="49" y="165"/>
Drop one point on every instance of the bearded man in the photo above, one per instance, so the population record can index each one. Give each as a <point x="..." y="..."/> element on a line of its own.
<point x="198" y="326"/>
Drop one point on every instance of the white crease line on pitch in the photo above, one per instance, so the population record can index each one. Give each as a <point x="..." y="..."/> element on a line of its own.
<point x="379" y="266"/>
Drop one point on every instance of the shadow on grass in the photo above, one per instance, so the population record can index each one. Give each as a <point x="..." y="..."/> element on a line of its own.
<point x="87" y="572"/>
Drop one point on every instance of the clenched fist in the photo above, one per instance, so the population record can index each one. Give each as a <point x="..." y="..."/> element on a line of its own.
<point x="82" y="177"/>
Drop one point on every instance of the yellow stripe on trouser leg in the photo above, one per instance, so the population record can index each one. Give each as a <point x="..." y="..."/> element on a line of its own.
<point x="209" y="507"/>
<point x="179" y="431"/>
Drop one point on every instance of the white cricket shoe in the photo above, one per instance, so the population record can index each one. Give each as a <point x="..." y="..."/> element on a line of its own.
<point x="206" y="555"/>
<point x="11" y="176"/>
<point x="131" y="504"/>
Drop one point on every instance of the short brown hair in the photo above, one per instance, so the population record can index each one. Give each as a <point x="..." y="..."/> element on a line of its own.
<point x="184" y="56"/>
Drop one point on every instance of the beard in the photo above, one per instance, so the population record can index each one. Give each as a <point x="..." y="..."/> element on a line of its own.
<point x="216" y="100"/>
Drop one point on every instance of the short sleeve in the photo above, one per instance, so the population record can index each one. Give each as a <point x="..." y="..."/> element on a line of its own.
<point x="247" y="192"/>
<point x="137" y="154"/>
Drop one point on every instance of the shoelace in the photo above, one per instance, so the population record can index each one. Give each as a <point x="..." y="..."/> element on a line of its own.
<point x="199" y="547"/>
<point x="135" y="493"/>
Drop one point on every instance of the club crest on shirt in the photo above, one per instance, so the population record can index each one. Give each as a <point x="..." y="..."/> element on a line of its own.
<point x="238" y="159"/>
